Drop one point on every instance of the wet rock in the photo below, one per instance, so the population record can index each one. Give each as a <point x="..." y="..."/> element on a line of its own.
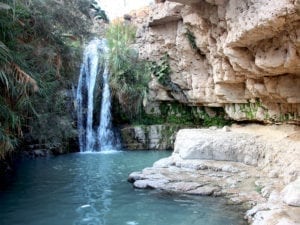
<point x="183" y="186"/>
<point x="205" y="190"/>
<point x="135" y="176"/>
<point x="150" y="184"/>
<point x="40" y="152"/>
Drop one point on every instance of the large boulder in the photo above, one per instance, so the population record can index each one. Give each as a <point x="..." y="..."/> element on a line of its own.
<point x="218" y="145"/>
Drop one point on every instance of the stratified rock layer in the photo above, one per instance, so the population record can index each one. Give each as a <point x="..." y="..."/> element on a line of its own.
<point x="240" y="55"/>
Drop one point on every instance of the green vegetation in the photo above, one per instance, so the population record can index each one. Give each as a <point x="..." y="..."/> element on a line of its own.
<point x="129" y="76"/>
<point x="192" y="40"/>
<point x="258" y="188"/>
<point x="39" y="53"/>
<point x="176" y="113"/>
<point x="129" y="82"/>
<point x="162" y="70"/>
<point x="250" y="109"/>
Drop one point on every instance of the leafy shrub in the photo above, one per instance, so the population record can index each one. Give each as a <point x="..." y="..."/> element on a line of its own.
<point x="129" y="76"/>
<point x="39" y="53"/>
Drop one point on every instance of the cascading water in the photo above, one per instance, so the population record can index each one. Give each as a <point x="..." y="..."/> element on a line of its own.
<point x="85" y="96"/>
<point x="89" y="139"/>
<point x="105" y="133"/>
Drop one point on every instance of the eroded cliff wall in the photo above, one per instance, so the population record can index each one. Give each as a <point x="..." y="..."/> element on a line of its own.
<point x="242" y="55"/>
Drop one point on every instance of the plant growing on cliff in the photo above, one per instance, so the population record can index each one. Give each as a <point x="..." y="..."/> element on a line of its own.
<point x="129" y="76"/>
<point x="192" y="40"/>
<point x="162" y="70"/>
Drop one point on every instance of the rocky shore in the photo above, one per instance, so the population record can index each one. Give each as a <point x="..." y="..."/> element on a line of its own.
<point x="255" y="166"/>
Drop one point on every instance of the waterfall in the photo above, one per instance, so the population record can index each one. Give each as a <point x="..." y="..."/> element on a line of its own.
<point x="105" y="133"/>
<point x="102" y="137"/>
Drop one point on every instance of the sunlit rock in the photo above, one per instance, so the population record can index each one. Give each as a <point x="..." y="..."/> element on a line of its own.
<point x="227" y="53"/>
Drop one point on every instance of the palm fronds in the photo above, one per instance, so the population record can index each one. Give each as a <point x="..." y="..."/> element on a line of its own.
<point x="4" y="53"/>
<point x="37" y="62"/>
<point x="21" y="76"/>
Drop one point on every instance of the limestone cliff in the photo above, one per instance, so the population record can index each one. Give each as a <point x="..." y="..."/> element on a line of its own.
<point x="242" y="55"/>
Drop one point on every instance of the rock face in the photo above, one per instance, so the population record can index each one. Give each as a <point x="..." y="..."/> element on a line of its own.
<point x="152" y="137"/>
<point x="239" y="55"/>
<point x="255" y="166"/>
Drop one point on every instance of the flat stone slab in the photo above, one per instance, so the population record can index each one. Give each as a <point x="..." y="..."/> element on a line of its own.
<point x="206" y="144"/>
<point x="201" y="177"/>
<point x="241" y="184"/>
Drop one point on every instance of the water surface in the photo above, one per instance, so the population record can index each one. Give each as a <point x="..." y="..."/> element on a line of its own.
<point x="92" y="189"/>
